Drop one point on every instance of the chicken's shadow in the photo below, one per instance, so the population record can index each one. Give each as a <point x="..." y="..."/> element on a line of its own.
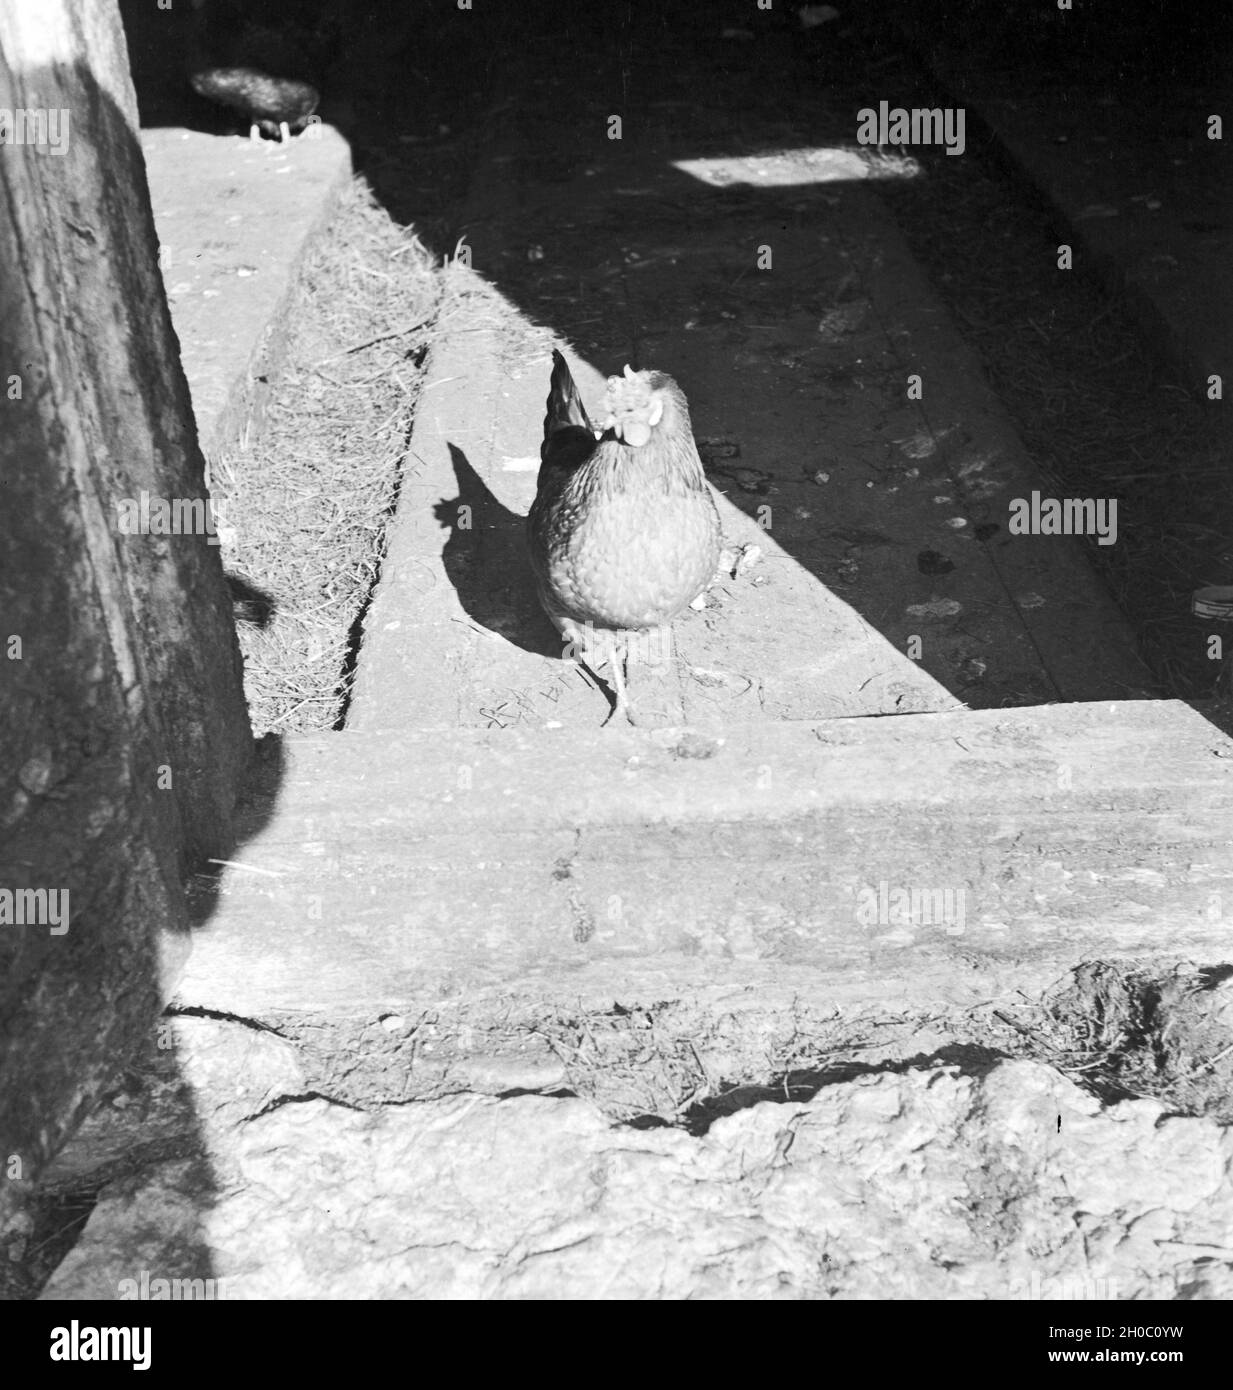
<point x="485" y="559"/>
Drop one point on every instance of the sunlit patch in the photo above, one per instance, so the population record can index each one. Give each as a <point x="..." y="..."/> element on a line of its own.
<point x="890" y="164"/>
<point x="792" y="168"/>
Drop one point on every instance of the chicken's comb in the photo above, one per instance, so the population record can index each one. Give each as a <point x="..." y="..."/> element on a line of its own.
<point x="628" y="392"/>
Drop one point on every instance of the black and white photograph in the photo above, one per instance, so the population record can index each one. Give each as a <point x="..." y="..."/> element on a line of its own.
<point x="616" y="665"/>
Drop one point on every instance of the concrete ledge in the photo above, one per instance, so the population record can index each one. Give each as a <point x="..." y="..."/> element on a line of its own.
<point x="234" y="220"/>
<point x="566" y="863"/>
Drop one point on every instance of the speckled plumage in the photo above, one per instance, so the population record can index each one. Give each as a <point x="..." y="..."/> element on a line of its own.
<point x="623" y="534"/>
<point x="269" y="102"/>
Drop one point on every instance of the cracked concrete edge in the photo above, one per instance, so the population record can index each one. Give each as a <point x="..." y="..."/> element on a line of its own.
<point x="217" y="1072"/>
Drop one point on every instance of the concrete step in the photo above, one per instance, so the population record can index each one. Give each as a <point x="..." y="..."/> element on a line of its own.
<point x="403" y="869"/>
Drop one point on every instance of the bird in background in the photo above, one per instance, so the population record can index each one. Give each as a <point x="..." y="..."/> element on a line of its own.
<point x="272" y="104"/>
<point x="623" y="534"/>
<point x="259" y="71"/>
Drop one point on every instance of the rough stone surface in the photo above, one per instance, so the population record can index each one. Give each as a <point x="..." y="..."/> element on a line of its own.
<point x="930" y="1184"/>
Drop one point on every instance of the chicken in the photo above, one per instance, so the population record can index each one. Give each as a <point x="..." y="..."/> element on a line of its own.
<point x="623" y="534"/>
<point x="270" y="103"/>
<point x="267" y="74"/>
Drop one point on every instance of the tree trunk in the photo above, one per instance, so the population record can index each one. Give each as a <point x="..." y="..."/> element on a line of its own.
<point x="123" y="728"/>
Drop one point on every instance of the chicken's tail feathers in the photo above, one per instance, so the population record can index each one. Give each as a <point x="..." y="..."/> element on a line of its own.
<point x="565" y="408"/>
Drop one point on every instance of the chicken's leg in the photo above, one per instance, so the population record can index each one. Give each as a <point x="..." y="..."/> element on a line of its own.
<point x="618" y="662"/>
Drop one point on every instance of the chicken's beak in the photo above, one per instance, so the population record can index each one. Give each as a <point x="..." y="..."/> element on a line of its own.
<point x="635" y="433"/>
